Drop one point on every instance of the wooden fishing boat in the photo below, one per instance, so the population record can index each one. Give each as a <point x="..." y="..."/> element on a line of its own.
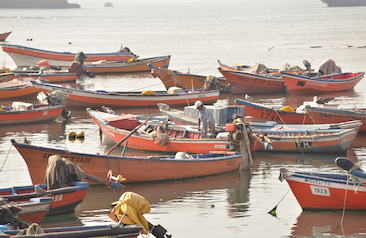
<point x="327" y="83"/>
<point x="331" y="115"/>
<point x="177" y="138"/>
<point x="39" y="113"/>
<point x="48" y="76"/>
<point x="112" y="231"/>
<point x="303" y="140"/>
<point x="248" y="82"/>
<point x="135" y="169"/>
<point x="180" y="117"/>
<point x="129" y="66"/>
<point x="35" y="210"/>
<point x="27" y="56"/>
<point x="17" y="88"/>
<point x="290" y="137"/>
<point x="325" y="191"/>
<point x="85" y="98"/>
<point x="4" y="35"/>
<point x="64" y="199"/>
<point x="311" y="115"/>
<point x="173" y="78"/>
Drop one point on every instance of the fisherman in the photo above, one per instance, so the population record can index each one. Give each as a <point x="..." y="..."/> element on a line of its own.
<point x="206" y="123"/>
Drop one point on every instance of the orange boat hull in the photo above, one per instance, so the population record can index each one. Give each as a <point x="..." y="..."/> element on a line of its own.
<point x="134" y="169"/>
<point x="18" y="92"/>
<point x="31" y="116"/>
<point x="311" y="117"/>
<point x="314" y="193"/>
<point x="249" y="83"/>
<point x="331" y="83"/>
<point x="133" y="67"/>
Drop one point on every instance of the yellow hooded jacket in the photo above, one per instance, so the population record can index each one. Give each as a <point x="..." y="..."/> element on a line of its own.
<point x="135" y="205"/>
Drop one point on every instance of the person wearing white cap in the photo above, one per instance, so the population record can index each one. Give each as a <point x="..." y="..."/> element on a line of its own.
<point x="206" y="123"/>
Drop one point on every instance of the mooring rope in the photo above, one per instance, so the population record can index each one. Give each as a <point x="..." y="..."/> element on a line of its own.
<point x="6" y="158"/>
<point x="345" y="199"/>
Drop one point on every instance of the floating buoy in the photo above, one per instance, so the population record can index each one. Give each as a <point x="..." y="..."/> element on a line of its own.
<point x="80" y="135"/>
<point x="71" y="135"/>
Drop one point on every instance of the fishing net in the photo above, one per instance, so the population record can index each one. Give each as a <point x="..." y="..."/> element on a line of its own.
<point x="60" y="172"/>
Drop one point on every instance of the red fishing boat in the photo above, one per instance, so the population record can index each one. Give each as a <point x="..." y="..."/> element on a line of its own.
<point x="135" y="169"/>
<point x="331" y="115"/>
<point x="27" y="56"/>
<point x="176" y="137"/>
<point x="130" y="66"/>
<point x="17" y="88"/>
<point x="253" y="80"/>
<point x="311" y="114"/>
<point x="4" y="35"/>
<point x="327" y="83"/>
<point x="77" y="97"/>
<point x="173" y="78"/>
<point x="325" y="191"/>
<point x="304" y="140"/>
<point x="37" y="113"/>
<point x="63" y="199"/>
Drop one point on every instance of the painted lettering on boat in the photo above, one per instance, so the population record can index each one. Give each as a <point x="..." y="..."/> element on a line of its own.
<point x="230" y="163"/>
<point x="318" y="182"/>
<point x="266" y="82"/>
<point x="58" y="197"/>
<point x="45" y="113"/>
<point x="266" y="115"/>
<point x="70" y="157"/>
<point x="321" y="191"/>
<point x="303" y="144"/>
<point x="220" y="146"/>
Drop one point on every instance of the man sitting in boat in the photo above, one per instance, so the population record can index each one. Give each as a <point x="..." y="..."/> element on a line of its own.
<point x="206" y="122"/>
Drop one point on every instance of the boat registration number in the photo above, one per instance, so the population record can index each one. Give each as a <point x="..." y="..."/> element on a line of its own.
<point x="321" y="191"/>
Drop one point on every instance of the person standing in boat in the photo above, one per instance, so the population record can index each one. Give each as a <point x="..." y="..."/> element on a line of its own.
<point x="206" y="122"/>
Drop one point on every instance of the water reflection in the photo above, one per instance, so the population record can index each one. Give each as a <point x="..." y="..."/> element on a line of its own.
<point x="326" y="223"/>
<point x="100" y="197"/>
<point x="238" y="197"/>
<point x="55" y="130"/>
<point x="69" y="219"/>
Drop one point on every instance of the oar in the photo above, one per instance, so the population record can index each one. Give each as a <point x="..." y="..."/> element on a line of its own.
<point x="131" y="133"/>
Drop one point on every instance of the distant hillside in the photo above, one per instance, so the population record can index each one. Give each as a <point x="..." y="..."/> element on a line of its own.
<point x="47" y="4"/>
<point x="345" y="3"/>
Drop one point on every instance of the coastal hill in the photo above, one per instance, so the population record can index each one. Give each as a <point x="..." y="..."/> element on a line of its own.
<point x="47" y="4"/>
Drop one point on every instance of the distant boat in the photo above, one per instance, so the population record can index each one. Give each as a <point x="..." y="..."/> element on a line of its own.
<point x="323" y="84"/>
<point x="4" y="35"/>
<point x="27" y="56"/>
<point x="345" y="3"/>
<point x="108" y="4"/>
<point x="148" y="98"/>
<point x="54" y="4"/>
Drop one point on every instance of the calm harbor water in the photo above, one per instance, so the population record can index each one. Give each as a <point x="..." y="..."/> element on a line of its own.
<point x="197" y="34"/>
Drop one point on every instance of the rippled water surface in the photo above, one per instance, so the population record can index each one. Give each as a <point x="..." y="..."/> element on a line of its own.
<point x="197" y="34"/>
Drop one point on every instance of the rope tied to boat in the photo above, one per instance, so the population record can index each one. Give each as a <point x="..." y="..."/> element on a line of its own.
<point x="6" y="158"/>
<point x="279" y="116"/>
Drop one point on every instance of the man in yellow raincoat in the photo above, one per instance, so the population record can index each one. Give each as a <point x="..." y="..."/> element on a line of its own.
<point x="134" y="206"/>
